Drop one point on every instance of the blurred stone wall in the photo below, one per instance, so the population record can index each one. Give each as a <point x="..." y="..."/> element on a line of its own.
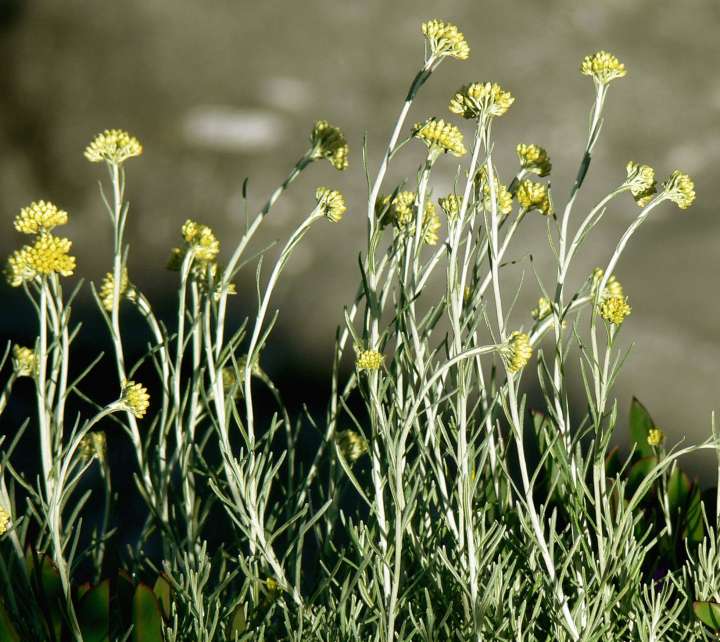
<point x="221" y="90"/>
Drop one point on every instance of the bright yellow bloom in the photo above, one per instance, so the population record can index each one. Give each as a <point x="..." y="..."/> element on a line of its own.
<point x="400" y="211"/>
<point x="613" y="287"/>
<point x="328" y="142"/>
<point x="48" y="255"/>
<point x="93" y="444"/>
<point x="603" y="67"/>
<point x="680" y="189"/>
<point x="503" y="197"/>
<point x="614" y="309"/>
<point x="40" y="216"/>
<point x="107" y="286"/>
<point x="534" y="158"/>
<point x="543" y="309"/>
<point x="368" y="359"/>
<point x="481" y="100"/>
<point x="352" y="445"/>
<point x="331" y="202"/>
<point x="444" y="39"/>
<point x="451" y="205"/>
<point x="24" y="361"/>
<point x="134" y="398"/>
<point x="431" y="225"/>
<point x="201" y="241"/>
<point x="5" y="520"/>
<point x="517" y="351"/>
<point x="440" y="136"/>
<point x="641" y="181"/>
<point x="655" y="436"/>
<point x="532" y="195"/>
<point x="114" y="146"/>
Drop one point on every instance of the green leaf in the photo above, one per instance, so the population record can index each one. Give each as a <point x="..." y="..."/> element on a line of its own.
<point x="613" y="465"/>
<point x="94" y="613"/>
<point x="239" y="621"/>
<point x="47" y="587"/>
<point x="162" y="592"/>
<point x="708" y="613"/>
<point x="678" y="490"/>
<point x="639" y="470"/>
<point x="8" y="633"/>
<point x="694" y="526"/>
<point x="121" y="606"/>
<point x="146" y="617"/>
<point x="640" y="424"/>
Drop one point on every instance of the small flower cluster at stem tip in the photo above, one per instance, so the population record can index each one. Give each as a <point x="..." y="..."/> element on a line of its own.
<point x="40" y="217"/>
<point x="48" y="255"/>
<point x="516" y="352"/>
<point x="680" y="189"/>
<point x="481" y="101"/>
<point x="444" y="39"/>
<point x="655" y="436"/>
<point x="331" y="203"/>
<point x="534" y="196"/>
<point x="641" y="181"/>
<point x="368" y="359"/>
<point x="534" y="158"/>
<point x="4" y="520"/>
<point x="328" y="142"/>
<point x="93" y="444"/>
<point x="614" y="309"/>
<point x="440" y="137"/>
<point x="400" y="211"/>
<point x="603" y="67"/>
<point x="108" y="285"/>
<point x="134" y="398"/>
<point x="352" y="445"/>
<point x="543" y="309"/>
<point x="451" y="205"/>
<point x="114" y="146"/>
<point x="24" y="361"/>
<point x="503" y="197"/>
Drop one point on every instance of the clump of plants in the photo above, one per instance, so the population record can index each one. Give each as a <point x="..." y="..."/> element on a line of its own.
<point x="436" y="505"/>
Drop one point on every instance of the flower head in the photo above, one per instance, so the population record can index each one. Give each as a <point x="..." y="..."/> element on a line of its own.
<point x="93" y="444"/>
<point x="481" y="100"/>
<point x="543" y="309"/>
<point x="603" y="67"/>
<point x="5" y="520"/>
<point x="352" y="445"/>
<point x="201" y="240"/>
<point x="328" y="142"/>
<point x="331" y="202"/>
<point x="114" y="146"/>
<point x="444" y="39"/>
<point x="107" y="289"/>
<point x="134" y="398"/>
<point x="440" y="136"/>
<point x="368" y="359"/>
<point x="451" y="205"/>
<point x="24" y="361"/>
<point x="48" y="255"/>
<point x="615" y="308"/>
<point x="641" y="181"/>
<point x="503" y="197"/>
<point x="516" y="352"/>
<point x="38" y="217"/>
<point x="534" y="158"/>
<point x="534" y="196"/>
<point x="613" y="287"/>
<point x="431" y="225"/>
<point x="400" y="211"/>
<point x="655" y="436"/>
<point x="680" y="189"/>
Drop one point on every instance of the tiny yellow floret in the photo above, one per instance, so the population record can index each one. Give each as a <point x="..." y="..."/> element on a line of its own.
<point x="39" y="217"/>
<point x="655" y="436"/>
<point x="641" y="182"/>
<point x="444" y="39"/>
<point x="352" y="445"/>
<point x="331" y="203"/>
<point x="328" y="142"/>
<point x="503" y="197"/>
<point x="534" y="196"/>
<point x="440" y="136"/>
<point x="534" y="158"/>
<point x="368" y="359"/>
<point x="543" y="309"/>
<point x="24" y="361"/>
<point x="680" y="189"/>
<point x="517" y="351"/>
<point x="114" y="146"/>
<point x="107" y="288"/>
<point x="451" y="205"/>
<point x="134" y="398"/>
<point x="615" y="308"/>
<point x="5" y="520"/>
<point x="481" y="100"/>
<point x="603" y="67"/>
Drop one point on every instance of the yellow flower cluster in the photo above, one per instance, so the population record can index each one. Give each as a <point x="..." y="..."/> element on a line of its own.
<point x="368" y="359"/>
<point x="451" y="205"/>
<point x="93" y="444"/>
<point x="680" y="189"/>
<point x="614" y="309"/>
<point x="603" y="67"/>
<point x="503" y="197"/>
<point x="4" y="520"/>
<point x="400" y="211"/>
<point x="517" y="351"/>
<point x="134" y="398"/>
<point x="328" y="142"/>
<point x="534" y="196"/>
<point x="352" y="445"/>
<point x="24" y="361"/>
<point x="108" y="285"/>
<point x="534" y="158"/>
<point x="481" y="100"/>
<point x="114" y="146"/>
<point x="48" y="255"/>
<point x="543" y="309"/>
<point x="655" y="436"/>
<point x="201" y="241"/>
<point x="431" y="225"/>
<point x="641" y="181"/>
<point x="613" y="287"/>
<point x="39" y="217"/>
<point x="331" y="202"/>
<point x="445" y="39"/>
<point x="440" y="136"/>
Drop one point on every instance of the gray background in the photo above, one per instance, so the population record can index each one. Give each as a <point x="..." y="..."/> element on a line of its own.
<point x="220" y="90"/>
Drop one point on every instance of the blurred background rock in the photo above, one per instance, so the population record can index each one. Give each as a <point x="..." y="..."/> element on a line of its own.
<point x="217" y="91"/>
